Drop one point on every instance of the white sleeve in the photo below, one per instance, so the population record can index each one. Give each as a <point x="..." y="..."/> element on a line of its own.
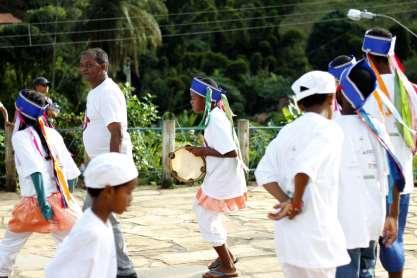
<point x="65" y="158"/>
<point x="75" y="257"/>
<point x="219" y="135"/>
<point x="110" y="107"/>
<point x="267" y="170"/>
<point x="25" y="156"/>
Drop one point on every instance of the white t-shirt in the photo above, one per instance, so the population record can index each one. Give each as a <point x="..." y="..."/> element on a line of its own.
<point x="401" y="150"/>
<point x="87" y="252"/>
<point x="105" y="104"/>
<point x="312" y="145"/>
<point x="224" y="178"/>
<point x="363" y="183"/>
<point x="30" y="158"/>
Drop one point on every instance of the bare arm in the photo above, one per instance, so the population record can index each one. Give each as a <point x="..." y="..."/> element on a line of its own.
<point x="300" y="184"/>
<point x="275" y="190"/>
<point x="116" y="136"/>
<point x="391" y="222"/>
<point x="290" y="207"/>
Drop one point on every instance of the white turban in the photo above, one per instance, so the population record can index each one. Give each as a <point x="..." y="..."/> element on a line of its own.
<point x="110" y="169"/>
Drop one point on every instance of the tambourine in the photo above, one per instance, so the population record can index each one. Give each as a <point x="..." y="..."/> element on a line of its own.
<point x="185" y="166"/>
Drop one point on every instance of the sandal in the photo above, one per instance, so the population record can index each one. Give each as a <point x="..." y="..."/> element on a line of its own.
<point x="218" y="274"/>
<point x="216" y="263"/>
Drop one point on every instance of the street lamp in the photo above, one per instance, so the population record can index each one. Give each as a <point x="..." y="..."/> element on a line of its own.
<point x="357" y="15"/>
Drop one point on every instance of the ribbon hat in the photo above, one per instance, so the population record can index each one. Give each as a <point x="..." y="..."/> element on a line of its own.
<point x="349" y="89"/>
<point x="28" y="108"/>
<point x="379" y="46"/>
<point x="336" y="70"/>
<point x="200" y="88"/>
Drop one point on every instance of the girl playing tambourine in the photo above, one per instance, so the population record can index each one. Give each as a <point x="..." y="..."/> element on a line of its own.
<point x="224" y="186"/>
<point x="45" y="167"/>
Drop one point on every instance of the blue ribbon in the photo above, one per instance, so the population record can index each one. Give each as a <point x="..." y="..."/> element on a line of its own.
<point x="379" y="46"/>
<point x="336" y="71"/>
<point x="349" y="90"/>
<point x="29" y="108"/>
<point x="200" y="88"/>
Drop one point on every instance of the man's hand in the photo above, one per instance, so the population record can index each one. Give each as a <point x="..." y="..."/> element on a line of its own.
<point x="389" y="235"/>
<point x="197" y="151"/>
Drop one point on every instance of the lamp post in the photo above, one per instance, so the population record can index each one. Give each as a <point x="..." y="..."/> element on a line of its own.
<point x="357" y="15"/>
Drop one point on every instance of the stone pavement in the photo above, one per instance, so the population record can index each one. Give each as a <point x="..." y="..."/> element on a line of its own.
<point x="164" y="241"/>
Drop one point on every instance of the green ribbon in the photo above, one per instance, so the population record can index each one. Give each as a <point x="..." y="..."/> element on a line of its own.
<point x="207" y="108"/>
<point x="402" y="103"/>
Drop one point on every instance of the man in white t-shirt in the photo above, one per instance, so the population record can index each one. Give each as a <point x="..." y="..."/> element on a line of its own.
<point x="300" y="168"/>
<point x="378" y="46"/>
<point x="105" y="130"/>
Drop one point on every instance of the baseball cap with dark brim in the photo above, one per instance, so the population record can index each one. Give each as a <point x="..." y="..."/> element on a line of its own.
<point x="313" y="83"/>
<point x="41" y="81"/>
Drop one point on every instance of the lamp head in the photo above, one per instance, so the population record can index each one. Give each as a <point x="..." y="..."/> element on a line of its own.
<point x="356" y="15"/>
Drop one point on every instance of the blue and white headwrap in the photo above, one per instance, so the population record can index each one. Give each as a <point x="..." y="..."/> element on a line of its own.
<point x="336" y="70"/>
<point x="357" y="99"/>
<point x="379" y="46"/>
<point x="349" y="89"/>
<point x="28" y="108"/>
<point x="200" y="87"/>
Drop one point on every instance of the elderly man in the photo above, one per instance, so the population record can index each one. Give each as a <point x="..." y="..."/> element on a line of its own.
<point x="105" y="130"/>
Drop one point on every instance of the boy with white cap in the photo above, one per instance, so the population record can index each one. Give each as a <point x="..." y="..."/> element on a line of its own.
<point x="89" y="250"/>
<point x="300" y="169"/>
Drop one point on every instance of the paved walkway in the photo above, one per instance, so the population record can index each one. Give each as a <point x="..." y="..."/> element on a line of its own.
<point x="163" y="238"/>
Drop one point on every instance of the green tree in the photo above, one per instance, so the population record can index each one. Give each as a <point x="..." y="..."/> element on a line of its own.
<point x="330" y="39"/>
<point x="124" y="28"/>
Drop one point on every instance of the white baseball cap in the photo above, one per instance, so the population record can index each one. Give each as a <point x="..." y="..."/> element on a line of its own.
<point x="312" y="83"/>
<point x="109" y="169"/>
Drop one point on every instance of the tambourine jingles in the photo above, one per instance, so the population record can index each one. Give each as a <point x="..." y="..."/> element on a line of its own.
<point x="185" y="166"/>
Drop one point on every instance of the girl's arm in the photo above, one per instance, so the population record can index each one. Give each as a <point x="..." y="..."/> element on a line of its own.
<point x="40" y="193"/>
<point x="207" y="151"/>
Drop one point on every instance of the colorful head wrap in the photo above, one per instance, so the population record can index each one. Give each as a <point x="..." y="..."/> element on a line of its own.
<point x="336" y="70"/>
<point x="200" y="87"/>
<point x="29" y="108"/>
<point x="376" y="45"/>
<point x="349" y="89"/>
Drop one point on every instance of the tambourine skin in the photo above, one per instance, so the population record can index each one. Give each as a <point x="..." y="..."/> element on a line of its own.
<point x="185" y="166"/>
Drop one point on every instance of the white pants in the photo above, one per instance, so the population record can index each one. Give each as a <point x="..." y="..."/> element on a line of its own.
<point x="292" y="271"/>
<point x="211" y="225"/>
<point x="12" y="243"/>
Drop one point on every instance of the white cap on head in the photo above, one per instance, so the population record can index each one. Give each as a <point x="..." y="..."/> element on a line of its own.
<point x="109" y="169"/>
<point x="312" y="83"/>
